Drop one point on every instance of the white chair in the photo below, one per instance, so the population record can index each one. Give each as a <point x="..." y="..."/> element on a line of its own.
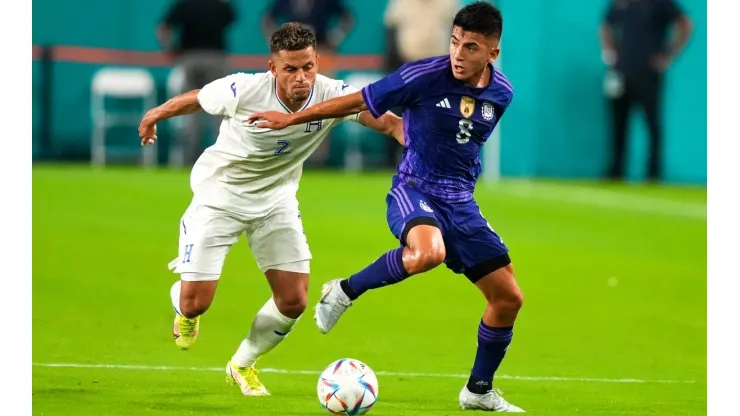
<point x="353" y="158"/>
<point x="123" y="83"/>
<point x="175" y="86"/>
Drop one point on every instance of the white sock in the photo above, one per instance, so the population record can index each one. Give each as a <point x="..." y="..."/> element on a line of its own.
<point x="175" y="295"/>
<point x="269" y="328"/>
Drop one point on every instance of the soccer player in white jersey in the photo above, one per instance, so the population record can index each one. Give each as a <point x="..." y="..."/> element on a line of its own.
<point x="246" y="183"/>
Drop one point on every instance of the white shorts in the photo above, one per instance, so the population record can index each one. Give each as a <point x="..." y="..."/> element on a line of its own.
<point x="277" y="240"/>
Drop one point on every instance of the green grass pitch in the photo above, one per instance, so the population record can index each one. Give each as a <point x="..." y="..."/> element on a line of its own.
<point x="614" y="321"/>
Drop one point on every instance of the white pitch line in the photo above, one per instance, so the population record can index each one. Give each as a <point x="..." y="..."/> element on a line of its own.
<point x="380" y="373"/>
<point x="603" y="198"/>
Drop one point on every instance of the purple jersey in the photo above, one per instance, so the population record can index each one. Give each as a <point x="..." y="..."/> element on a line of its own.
<point x="445" y="121"/>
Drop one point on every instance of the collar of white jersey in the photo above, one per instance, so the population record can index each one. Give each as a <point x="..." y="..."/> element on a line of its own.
<point x="308" y="101"/>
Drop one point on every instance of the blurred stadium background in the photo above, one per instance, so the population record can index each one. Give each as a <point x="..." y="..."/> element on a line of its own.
<point x="614" y="274"/>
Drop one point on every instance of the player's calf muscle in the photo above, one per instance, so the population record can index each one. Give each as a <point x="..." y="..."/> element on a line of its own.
<point x="503" y="312"/>
<point x="196" y="297"/>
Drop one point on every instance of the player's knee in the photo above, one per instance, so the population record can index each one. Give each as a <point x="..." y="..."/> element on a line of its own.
<point x="422" y="260"/>
<point x="502" y="293"/>
<point x="508" y="303"/>
<point x="515" y="301"/>
<point x="291" y="304"/>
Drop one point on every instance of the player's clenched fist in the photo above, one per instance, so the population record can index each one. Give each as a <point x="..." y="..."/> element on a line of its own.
<point x="270" y="120"/>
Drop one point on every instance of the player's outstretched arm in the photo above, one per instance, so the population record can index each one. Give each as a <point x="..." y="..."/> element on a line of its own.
<point x="388" y="124"/>
<point x="334" y="108"/>
<point x="179" y="105"/>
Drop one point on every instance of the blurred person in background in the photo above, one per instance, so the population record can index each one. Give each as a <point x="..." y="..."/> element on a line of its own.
<point x="321" y="16"/>
<point x="318" y="15"/>
<point x="633" y="41"/>
<point x="201" y="52"/>
<point x="412" y="33"/>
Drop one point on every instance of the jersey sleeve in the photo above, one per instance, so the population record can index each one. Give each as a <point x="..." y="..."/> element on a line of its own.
<point x="339" y="89"/>
<point x="506" y="106"/>
<point x="221" y="97"/>
<point x="399" y="89"/>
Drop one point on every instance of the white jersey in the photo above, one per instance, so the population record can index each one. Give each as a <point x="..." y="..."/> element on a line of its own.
<point x="250" y="170"/>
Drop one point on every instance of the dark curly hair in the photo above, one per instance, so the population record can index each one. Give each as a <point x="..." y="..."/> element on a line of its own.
<point x="292" y="36"/>
<point x="480" y="17"/>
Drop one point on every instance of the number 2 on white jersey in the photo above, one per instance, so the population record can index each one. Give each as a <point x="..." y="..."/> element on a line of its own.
<point x="282" y="147"/>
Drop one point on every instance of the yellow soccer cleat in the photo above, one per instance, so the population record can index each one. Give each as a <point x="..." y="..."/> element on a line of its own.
<point x="185" y="331"/>
<point x="246" y="379"/>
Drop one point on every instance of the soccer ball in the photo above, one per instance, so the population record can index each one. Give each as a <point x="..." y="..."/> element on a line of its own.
<point x="347" y="387"/>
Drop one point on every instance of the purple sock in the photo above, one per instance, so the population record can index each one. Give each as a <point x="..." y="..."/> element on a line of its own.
<point x="386" y="270"/>
<point x="492" y="345"/>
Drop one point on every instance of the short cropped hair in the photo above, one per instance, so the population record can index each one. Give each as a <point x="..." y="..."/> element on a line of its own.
<point x="480" y="17"/>
<point x="292" y="36"/>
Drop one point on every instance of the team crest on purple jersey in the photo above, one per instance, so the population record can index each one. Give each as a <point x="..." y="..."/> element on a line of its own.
<point x="487" y="111"/>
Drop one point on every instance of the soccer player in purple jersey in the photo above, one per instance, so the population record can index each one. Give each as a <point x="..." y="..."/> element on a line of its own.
<point x="452" y="104"/>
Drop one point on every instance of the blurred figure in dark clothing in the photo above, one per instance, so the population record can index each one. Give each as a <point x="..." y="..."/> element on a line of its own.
<point x="633" y="40"/>
<point x="200" y="51"/>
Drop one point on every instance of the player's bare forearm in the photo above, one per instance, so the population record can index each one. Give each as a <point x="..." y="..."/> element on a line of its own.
<point x="179" y="105"/>
<point x="388" y="124"/>
<point x="334" y="108"/>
